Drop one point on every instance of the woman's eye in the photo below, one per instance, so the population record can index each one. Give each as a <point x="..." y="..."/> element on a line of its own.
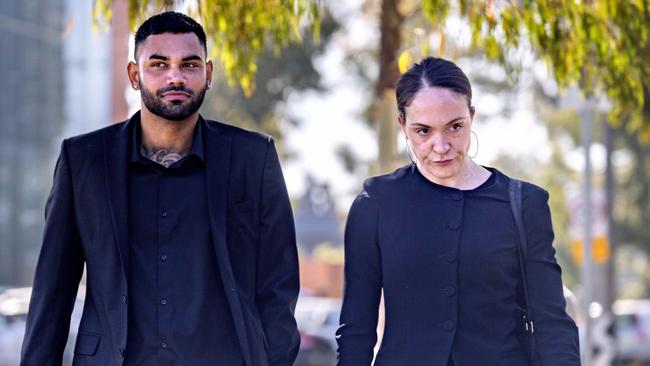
<point x="422" y="131"/>
<point x="456" y="126"/>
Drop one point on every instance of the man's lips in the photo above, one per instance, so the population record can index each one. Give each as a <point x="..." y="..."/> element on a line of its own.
<point x="175" y="95"/>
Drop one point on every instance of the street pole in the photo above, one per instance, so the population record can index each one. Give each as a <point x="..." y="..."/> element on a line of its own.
<point x="587" y="124"/>
<point x="610" y="186"/>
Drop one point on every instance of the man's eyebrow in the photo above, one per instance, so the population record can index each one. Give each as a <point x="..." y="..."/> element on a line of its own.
<point x="165" y="58"/>
<point x="158" y="57"/>
<point x="192" y="58"/>
<point x="418" y="124"/>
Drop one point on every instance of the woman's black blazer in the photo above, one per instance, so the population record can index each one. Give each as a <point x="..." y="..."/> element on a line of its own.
<point x="447" y="263"/>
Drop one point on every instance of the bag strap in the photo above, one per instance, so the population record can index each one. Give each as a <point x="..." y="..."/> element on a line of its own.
<point x="514" y="190"/>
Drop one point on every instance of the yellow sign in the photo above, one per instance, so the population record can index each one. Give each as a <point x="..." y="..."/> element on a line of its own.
<point x="600" y="250"/>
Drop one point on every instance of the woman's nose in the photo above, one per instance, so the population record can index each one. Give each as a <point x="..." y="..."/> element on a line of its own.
<point x="440" y="145"/>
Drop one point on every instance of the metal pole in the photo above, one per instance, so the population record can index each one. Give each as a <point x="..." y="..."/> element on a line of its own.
<point x="587" y="122"/>
<point x="610" y="191"/>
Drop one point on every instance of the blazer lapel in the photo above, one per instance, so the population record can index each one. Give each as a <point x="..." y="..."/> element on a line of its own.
<point x="116" y="163"/>
<point x="218" y="150"/>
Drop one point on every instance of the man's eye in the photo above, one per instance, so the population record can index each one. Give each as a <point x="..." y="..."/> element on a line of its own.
<point x="158" y="64"/>
<point x="190" y="65"/>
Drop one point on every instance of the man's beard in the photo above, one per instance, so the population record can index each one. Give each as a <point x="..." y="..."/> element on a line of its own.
<point x="176" y="110"/>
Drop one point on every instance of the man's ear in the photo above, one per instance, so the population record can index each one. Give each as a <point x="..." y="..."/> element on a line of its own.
<point x="134" y="76"/>
<point x="208" y="73"/>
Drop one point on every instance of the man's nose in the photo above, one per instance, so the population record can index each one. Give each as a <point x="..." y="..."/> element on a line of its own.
<point x="175" y="76"/>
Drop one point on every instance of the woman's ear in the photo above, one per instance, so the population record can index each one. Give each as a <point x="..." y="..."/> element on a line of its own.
<point x="402" y="124"/>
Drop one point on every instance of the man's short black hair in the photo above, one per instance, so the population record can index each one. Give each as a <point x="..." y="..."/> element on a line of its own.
<point x="168" y="22"/>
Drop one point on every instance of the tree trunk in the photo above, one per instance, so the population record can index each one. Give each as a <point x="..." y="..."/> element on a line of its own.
<point x="120" y="58"/>
<point x="384" y="107"/>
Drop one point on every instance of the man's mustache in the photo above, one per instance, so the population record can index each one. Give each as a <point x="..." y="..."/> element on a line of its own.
<point x="175" y="89"/>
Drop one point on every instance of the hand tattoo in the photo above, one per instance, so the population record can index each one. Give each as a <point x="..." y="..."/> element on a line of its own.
<point x="163" y="157"/>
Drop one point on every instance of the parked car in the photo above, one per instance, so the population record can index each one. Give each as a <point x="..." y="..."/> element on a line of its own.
<point x="315" y="351"/>
<point x="632" y="327"/>
<point x="13" y="314"/>
<point x="317" y="318"/>
<point x="14" y="303"/>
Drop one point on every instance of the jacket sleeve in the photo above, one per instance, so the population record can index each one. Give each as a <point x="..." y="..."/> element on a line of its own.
<point x="555" y="332"/>
<point x="357" y="333"/>
<point x="58" y="272"/>
<point x="278" y="281"/>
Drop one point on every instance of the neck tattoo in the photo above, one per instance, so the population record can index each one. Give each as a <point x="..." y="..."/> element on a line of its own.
<point x="163" y="157"/>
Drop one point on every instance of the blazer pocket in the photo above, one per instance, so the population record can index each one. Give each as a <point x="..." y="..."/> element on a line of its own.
<point x="87" y="344"/>
<point x="240" y="207"/>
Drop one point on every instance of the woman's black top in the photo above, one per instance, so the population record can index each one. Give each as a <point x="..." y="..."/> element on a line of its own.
<point x="447" y="262"/>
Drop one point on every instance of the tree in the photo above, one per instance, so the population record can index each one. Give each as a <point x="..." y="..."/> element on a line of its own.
<point x="240" y="30"/>
<point x="602" y="45"/>
<point x="275" y="78"/>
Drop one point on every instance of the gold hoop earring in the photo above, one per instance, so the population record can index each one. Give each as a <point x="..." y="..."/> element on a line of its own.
<point x="472" y="133"/>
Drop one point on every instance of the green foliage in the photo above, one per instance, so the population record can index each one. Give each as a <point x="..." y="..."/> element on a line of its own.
<point x="275" y="78"/>
<point x="240" y="29"/>
<point x="601" y="45"/>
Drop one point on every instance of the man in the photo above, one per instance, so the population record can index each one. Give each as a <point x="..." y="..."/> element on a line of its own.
<point x="184" y="226"/>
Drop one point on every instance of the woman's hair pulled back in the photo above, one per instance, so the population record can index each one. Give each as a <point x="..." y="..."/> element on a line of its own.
<point x="431" y="72"/>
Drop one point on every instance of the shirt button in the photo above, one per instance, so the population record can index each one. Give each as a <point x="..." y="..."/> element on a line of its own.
<point x="448" y="325"/>
<point x="163" y="257"/>
<point x="448" y="257"/>
<point x="163" y="301"/>
<point x="454" y="225"/>
<point x="163" y="214"/>
<point x="163" y="345"/>
<point x="125" y="300"/>
<point x="122" y="352"/>
<point x="449" y="290"/>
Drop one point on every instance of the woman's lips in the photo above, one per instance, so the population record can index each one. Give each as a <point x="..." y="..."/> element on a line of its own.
<point x="443" y="162"/>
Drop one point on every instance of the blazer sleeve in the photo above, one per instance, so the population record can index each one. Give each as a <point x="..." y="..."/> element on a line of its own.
<point x="555" y="332"/>
<point x="57" y="276"/>
<point x="357" y="333"/>
<point x="278" y="281"/>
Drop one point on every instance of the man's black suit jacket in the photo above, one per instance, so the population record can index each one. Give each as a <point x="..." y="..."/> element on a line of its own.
<point x="86" y="222"/>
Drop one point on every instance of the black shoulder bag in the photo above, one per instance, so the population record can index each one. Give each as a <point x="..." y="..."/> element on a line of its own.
<point x="514" y="190"/>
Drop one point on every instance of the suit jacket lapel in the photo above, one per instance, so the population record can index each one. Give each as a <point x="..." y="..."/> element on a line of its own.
<point x="116" y="163"/>
<point x="218" y="150"/>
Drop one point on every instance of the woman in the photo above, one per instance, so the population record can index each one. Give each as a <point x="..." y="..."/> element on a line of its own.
<point x="440" y="239"/>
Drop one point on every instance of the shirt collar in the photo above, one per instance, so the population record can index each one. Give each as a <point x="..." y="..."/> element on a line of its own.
<point x="136" y="142"/>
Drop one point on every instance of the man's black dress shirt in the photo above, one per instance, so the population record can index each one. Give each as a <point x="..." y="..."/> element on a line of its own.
<point x="178" y="313"/>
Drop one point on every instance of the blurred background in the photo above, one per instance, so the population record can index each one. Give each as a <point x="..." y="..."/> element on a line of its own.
<point x="561" y="89"/>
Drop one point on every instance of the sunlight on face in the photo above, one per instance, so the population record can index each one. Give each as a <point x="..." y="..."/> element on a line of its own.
<point x="437" y="127"/>
<point x="172" y="74"/>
